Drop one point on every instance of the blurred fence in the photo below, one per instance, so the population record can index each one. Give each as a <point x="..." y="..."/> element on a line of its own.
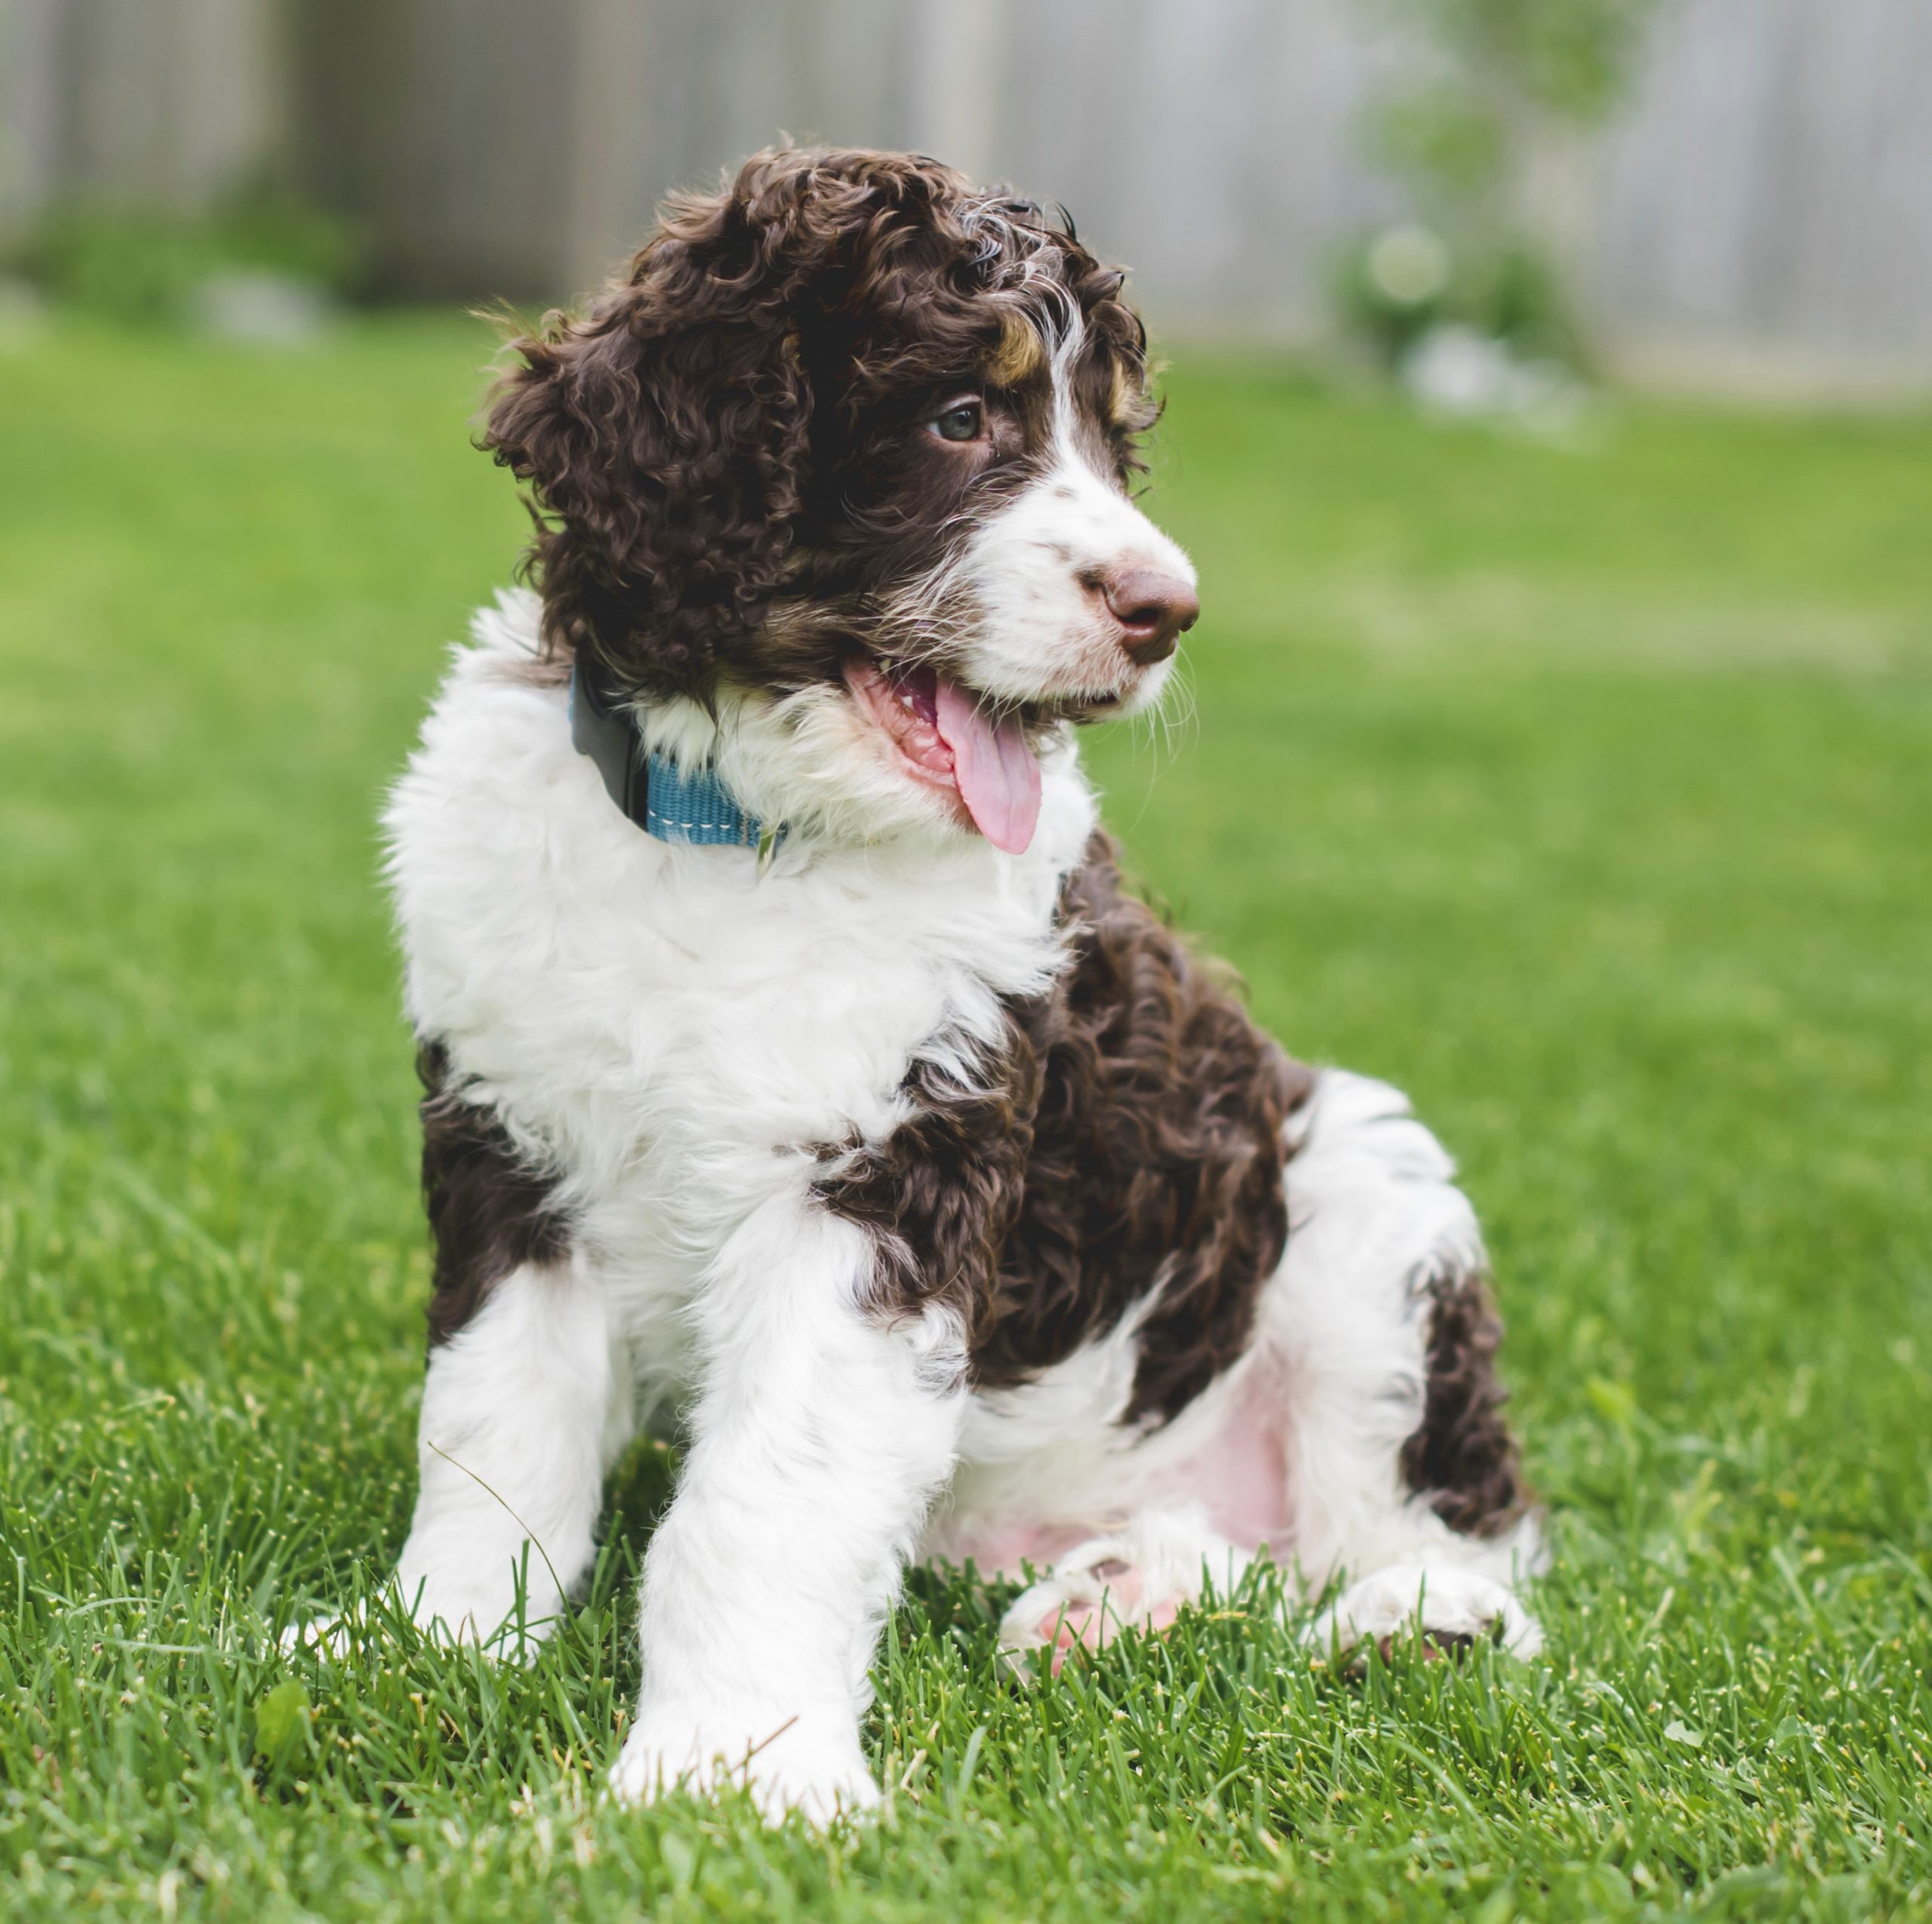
<point x="1762" y="216"/>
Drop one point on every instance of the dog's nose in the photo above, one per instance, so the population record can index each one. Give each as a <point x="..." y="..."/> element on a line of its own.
<point x="1154" y="609"/>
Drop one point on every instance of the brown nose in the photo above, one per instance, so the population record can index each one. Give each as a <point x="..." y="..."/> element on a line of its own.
<point x="1154" y="609"/>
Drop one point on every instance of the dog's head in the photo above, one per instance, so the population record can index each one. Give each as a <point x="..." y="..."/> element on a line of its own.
<point x="851" y="445"/>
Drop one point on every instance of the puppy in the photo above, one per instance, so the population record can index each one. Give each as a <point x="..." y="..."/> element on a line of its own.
<point x="797" y="1067"/>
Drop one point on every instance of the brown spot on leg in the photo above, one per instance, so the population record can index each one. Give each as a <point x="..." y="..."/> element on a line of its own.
<point x="1464" y="1458"/>
<point x="491" y="1208"/>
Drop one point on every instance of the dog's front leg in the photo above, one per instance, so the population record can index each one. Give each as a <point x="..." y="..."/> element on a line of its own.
<point x="819" y="1436"/>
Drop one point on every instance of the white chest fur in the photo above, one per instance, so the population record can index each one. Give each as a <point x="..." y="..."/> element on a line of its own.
<point x="665" y="1026"/>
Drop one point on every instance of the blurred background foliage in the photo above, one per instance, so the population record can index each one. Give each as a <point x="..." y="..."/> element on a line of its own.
<point x="146" y="265"/>
<point x="1724" y="195"/>
<point x="1458" y="129"/>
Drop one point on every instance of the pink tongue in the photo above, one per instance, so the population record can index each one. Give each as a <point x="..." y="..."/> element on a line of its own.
<point x="999" y="781"/>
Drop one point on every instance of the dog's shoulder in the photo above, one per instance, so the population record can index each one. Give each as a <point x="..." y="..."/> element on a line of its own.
<point x="494" y="747"/>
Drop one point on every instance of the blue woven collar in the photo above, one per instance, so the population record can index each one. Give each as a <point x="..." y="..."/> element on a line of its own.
<point x="695" y="809"/>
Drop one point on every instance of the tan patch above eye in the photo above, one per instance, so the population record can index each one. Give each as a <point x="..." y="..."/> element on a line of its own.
<point x="1126" y="397"/>
<point x="1021" y="353"/>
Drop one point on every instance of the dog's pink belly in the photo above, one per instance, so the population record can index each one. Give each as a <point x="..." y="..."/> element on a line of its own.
<point x="1002" y="1550"/>
<point x="1239" y="1477"/>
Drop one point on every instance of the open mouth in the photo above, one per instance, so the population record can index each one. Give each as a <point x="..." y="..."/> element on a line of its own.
<point x="947" y="736"/>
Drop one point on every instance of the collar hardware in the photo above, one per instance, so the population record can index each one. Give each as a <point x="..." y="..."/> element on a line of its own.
<point x="692" y="809"/>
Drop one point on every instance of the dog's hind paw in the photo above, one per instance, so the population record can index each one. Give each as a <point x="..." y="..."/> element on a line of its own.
<point x="1452" y="1609"/>
<point x="1093" y="1593"/>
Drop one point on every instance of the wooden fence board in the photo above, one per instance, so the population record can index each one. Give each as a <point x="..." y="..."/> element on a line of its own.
<point x="1765" y="206"/>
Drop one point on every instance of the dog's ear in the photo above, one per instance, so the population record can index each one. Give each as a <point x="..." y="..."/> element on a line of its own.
<point x="665" y="435"/>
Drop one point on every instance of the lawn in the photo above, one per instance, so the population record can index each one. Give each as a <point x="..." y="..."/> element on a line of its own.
<point x="1588" y="793"/>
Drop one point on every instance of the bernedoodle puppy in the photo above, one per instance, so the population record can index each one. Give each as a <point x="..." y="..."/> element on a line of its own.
<point x="797" y="1066"/>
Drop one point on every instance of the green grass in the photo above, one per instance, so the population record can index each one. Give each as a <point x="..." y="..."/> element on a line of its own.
<point x="1589" y="794"/>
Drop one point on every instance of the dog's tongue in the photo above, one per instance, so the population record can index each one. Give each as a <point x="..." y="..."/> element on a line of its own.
<point x="999" y="780"/>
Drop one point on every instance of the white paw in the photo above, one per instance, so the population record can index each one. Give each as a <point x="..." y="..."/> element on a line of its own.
<point x="1445" y="1601"/>
<point x="812" y="1765"/>
<point x="337" y="1637"/>
<point x="332" y="1637"/>
<point x="1093" y="1593"/>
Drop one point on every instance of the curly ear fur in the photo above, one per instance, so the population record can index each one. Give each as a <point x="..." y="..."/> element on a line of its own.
<point x="666" y="433"/>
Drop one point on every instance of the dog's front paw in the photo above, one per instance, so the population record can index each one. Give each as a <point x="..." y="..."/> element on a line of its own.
<point x="334" y="1637"/>
<point x="450" y="1622"/>
<point x="811" y="1763"/>
<point x="1453" y="1608"/>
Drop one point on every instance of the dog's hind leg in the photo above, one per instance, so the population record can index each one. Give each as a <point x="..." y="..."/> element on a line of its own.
<point x="1402" y="1477"/>
<point x="521" y="1416"/>
<point x="1366" y="1444"/>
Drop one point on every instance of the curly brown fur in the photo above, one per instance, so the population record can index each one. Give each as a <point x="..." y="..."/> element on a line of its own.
<point x="489" y="1210"/>
<point x="1124" y="1149"/>
<point x="1464" y="1458"/>
<point x="716" y="449"/>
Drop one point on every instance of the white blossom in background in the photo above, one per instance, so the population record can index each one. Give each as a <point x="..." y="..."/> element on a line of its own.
<point x="264" y="309"/>
<point x="1409" y="264"/>
<point x="1459" y="372"/>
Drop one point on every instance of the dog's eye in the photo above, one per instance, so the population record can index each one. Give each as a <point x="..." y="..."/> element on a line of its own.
<point x="962" y="420"/>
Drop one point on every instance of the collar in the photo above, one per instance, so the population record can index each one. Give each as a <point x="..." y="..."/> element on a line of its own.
<point x="694" y="809"/>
